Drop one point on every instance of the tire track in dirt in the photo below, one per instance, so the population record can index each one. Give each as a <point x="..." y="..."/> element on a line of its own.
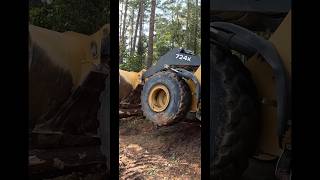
<point x="171" y="152"/>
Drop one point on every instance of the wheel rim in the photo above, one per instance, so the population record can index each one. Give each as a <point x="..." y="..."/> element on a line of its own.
<point x="159" y="98"/>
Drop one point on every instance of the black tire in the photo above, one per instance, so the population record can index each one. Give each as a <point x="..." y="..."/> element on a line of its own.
<point x="234" y="116"/>
<point x="180" y="98"/>
<point x="104" y="123"/>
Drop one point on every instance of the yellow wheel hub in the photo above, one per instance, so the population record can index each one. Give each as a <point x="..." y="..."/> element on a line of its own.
<point x="159" y="98"/>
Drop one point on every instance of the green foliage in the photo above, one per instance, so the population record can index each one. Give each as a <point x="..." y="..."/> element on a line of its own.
<point x="136" y="61"/>
<point x="133" y="63"/>
<point x="176" y="25"/>
<point x="83" y="16"/>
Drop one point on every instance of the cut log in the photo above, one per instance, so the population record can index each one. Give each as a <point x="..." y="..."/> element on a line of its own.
<point x="124" y="105"/>
<point x="124" y="113"/>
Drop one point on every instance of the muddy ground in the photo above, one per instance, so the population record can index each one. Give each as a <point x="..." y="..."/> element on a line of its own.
<point x="148" y="152"/>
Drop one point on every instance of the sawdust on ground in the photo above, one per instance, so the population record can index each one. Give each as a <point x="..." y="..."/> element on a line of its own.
<point x="147" y="152"/>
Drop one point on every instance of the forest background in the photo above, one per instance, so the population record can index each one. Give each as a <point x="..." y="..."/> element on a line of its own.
<point x="150" y="28"/>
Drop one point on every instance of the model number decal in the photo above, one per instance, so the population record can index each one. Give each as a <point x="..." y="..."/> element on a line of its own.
<point x="182" y="57"/>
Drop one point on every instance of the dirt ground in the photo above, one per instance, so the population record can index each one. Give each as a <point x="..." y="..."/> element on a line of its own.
<point x="147" y="152"/>
<point x="172" y="152"/>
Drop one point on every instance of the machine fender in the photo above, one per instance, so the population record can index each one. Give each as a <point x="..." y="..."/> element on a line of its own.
<point x="237" y="38"/>
<point x="188" y="75"/>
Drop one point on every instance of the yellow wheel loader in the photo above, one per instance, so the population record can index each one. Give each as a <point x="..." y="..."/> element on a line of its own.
<point x="68" y="101"/>
<point x="250" y="53"/>
<point x="170" y="90"/>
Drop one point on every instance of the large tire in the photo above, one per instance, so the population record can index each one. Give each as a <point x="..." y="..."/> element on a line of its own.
<point x="179" y="98"/>
<point x="234" y="116"/>
<point x="104" y="123"/>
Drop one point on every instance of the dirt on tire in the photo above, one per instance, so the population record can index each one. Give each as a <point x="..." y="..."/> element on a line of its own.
<point x="180" y="98"/>
<point x="234" y="117"/>
<point x="148" y="152"/>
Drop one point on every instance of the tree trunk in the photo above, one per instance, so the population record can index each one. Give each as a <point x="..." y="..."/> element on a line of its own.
<point x="195" y="29"/>
<point x="140" y="48"/>
<point x="131" y="28"/>
<point x="178" y="35"/>
<point x="141" y="26"/>
<point x="172" y="39"/>
<point x="151" y="29"/>
<point x="187" y="27"/>
<point x="123" y="40"/>
<point x="136" y="30"/>
<point x="120" y="22"/>
<point x="124" y="22"/>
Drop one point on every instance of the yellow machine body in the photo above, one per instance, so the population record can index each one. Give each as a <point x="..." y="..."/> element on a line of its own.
<point x="128" y="81"/>
<point x="58" y="63"/>
<point x="69" y="50"/>
<point x="194" y="103"/>
<point x="262" y="75"/>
